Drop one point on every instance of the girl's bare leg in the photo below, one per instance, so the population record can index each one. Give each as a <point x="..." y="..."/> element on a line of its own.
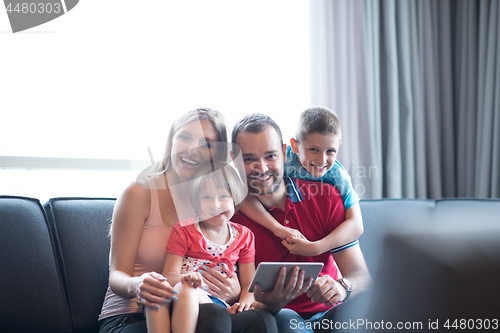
<point x="186" y="308"/>
<point x="158" y="320"/>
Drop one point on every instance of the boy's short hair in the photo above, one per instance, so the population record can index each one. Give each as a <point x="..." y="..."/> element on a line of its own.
<point x="318" y="120"/>
<point x="224" y="176"/>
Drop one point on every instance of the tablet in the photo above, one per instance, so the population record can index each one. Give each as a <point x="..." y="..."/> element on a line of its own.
<point x="267" y="273"/>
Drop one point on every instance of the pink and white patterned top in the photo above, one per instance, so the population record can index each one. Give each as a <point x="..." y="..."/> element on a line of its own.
<point x="196" y="250"/>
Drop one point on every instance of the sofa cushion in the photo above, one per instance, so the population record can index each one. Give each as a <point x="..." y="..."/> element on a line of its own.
<point x="382" y="216"/>
<point x="32" y="294"/>
<point x="80" y="227"/>
<point x="482" y="213"/>
<point x="438" y="275"/>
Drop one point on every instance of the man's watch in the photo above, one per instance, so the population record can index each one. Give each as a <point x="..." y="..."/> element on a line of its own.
<point x="347" y="286"/>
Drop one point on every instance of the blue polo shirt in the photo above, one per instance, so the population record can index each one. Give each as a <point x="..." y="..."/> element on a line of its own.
<point x="337" y="176"/>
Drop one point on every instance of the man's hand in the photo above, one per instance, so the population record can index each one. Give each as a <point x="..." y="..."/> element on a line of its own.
<point x="301" y="246"/>
<point x="227" y="289"/>
<point x="326" y="290"/>
<point x="281" y="295"/>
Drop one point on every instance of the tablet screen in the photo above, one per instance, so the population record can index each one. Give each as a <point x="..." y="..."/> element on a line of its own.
<point x="267" y="273"/>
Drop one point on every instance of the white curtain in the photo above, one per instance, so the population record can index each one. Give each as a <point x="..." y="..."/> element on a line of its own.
<point x="416" y="84"/>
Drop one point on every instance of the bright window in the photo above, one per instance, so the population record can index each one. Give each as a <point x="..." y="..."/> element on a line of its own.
<point x="106" y="80"/>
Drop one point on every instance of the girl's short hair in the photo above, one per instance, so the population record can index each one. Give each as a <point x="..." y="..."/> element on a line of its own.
<point x="318" y="120"/>
<point x="224" y="176"/>
<point x="212" y="116"/>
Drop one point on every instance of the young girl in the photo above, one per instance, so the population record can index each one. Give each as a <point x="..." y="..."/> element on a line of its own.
<point x="208" y="239"/>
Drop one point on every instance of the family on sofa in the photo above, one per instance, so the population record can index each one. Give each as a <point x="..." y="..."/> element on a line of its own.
<point x="173" y="261"/>
<point x="435" y="263"/>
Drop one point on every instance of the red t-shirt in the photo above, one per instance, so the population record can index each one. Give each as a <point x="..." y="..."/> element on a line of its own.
<point x="313" y="208"/>
<point x="186" y="240"/>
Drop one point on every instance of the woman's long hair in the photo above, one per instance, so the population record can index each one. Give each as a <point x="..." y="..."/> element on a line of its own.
<point x="217" y="121"/>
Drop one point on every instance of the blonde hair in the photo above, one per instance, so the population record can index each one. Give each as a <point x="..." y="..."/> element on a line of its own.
<point x="210" y="115"/>
<point x="224" y="176"/>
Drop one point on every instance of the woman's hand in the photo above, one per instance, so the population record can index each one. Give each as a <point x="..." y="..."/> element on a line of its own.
<point x="152" y="289"/>
<point x="227" y="289"/>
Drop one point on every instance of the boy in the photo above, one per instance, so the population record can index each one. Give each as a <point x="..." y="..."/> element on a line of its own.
<point x="312" y="156"/>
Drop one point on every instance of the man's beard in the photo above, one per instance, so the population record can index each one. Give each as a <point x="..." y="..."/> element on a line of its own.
<point x="258" y="190"/>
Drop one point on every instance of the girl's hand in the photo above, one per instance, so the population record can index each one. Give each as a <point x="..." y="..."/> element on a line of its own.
<point x="193" y="279"/>
<point x="227" y="289"/>
<point x="239" y="307"/>
<point x="152" y="289"/>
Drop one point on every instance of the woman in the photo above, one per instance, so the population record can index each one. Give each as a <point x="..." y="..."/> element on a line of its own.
<point x="142" y="221"/>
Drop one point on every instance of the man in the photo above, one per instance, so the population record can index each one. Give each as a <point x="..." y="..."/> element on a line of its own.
<point x="313" y="208"/>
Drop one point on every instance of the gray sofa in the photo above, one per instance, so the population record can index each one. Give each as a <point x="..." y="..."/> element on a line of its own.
<point x="54" y="261"/>
<point x="435" y="264"/>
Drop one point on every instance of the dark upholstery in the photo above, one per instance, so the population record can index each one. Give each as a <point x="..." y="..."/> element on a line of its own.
<point x="435" y="265"/>
<point x="382" y="216"/>
<point x="430" y="259"/>
<point x="438" y="276"/>
<point x="32" y="298"/>
<point x="80" y="227"/>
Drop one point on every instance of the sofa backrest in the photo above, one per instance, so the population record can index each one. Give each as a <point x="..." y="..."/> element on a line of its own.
<point x="31" y="292"/>
<point x="80" y="228"/>
<point x="438" y="275"/>
<point x="465" y="212"/>
<point x="438" y="270"/>
<point x="54" y="259"/>
<point x="382" y="216"/>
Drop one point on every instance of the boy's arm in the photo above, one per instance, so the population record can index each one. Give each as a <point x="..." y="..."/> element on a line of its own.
<point x="345" y="233"/>
<point x="253" y="209"/>
<point x="246" y="273"/>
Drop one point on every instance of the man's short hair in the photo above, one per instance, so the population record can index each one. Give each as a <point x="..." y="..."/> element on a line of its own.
<point x="255" y="123"/>
<point x="318" y="120"/>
